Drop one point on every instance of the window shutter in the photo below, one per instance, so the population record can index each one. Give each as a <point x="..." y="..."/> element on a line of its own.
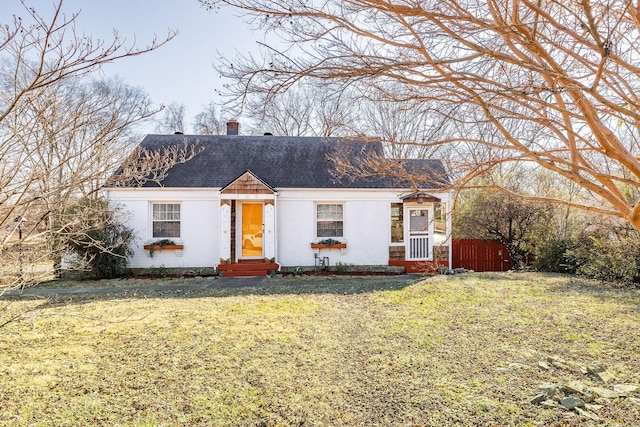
<point x="269" y="231"/>
<point x="225" y="232"/>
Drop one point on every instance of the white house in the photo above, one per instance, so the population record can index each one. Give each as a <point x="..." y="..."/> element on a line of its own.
<point x="245" y="205"/>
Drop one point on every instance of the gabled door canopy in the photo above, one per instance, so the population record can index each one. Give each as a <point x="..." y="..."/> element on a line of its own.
<point x="419" y="197"/>
<point x="248" y="183"/>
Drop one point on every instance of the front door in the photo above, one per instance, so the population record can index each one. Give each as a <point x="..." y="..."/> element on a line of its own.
<point x="251" y="242"/>
<point x="418" y="234"/>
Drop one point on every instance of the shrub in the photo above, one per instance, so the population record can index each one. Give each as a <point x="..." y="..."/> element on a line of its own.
<point x="610" y="260"/>
<point x="341" y="267"/>
<point x="516" y="222"/>
<point x="96" y="238"/>
<point x="605" y="248"/>
<point x="554" y="256"/>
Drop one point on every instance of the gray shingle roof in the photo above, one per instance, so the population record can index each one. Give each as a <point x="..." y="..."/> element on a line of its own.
<point x="281" y="162"/>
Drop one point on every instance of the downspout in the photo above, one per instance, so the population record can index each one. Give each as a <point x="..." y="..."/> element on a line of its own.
<point x="275" y="230"/>
<point x="218" y="200"/>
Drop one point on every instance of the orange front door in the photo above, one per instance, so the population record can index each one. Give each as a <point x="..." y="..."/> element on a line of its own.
<point x="251" y="230"/>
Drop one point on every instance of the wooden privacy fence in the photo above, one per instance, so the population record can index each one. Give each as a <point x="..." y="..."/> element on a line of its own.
<point x="480" y="255"/>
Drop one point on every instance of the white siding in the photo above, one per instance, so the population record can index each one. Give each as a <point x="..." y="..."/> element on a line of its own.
<point x="366" y="225"/>
<point x="199" y="226"/>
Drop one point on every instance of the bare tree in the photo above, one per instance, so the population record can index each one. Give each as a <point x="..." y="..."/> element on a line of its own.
<point x="62" y="134"/>
<point x="144" y="165"/>
<point x="209" y="121"/>
<point x="550" y="82"/>
<point x="403" y="127"/>
<point x="495" y="215"/>
<point x="303" y="110"/>
<point x="37" y="51"/>
<point x="172" y="120"/>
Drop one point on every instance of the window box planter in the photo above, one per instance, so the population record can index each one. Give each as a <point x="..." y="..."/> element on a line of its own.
<point x="328" y="246"/>
<point x="159" y="247"/>
<point x="163" y="244"/>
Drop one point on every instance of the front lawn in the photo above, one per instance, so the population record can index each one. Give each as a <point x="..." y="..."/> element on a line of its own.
<point x="448" y="350"/>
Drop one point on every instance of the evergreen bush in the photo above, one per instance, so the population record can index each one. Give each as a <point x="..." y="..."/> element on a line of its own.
<point x="96" y="237"/>
<point x="554" y="256"/>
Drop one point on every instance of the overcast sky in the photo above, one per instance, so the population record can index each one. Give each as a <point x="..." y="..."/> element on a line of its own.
<point x="181" y="71"/>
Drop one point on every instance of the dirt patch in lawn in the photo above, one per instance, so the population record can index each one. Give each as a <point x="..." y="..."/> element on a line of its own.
<point x="447" y="350"/>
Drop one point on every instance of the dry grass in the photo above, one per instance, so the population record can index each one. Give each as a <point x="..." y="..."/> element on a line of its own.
<point x="435" y="353"/>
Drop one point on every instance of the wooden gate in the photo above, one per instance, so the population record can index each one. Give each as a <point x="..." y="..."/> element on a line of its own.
<point x="480" y="255"/>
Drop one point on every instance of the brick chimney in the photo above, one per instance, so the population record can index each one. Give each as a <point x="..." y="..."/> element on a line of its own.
<point x="233" y="127"/>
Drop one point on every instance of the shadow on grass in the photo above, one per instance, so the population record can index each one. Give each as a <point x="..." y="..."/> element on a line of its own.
<point x="571" y="286"/>
<point x="218" y="288"/>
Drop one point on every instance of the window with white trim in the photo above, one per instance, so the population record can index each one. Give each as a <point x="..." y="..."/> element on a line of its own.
<point x="397" y="223"/>
<point x="440" y="223"/>
<point x="440" y="217"/>
<point x="166" y="220"/>
<point x="329" y="220"/>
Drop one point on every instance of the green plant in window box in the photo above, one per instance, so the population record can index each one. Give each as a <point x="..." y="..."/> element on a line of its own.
<point x="161" y="243"/>
<point x="329" y="242"/>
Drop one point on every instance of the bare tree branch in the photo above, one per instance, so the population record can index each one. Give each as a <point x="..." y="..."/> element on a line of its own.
<point x="62" y="133"/>
<point x="552" y="83"/>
